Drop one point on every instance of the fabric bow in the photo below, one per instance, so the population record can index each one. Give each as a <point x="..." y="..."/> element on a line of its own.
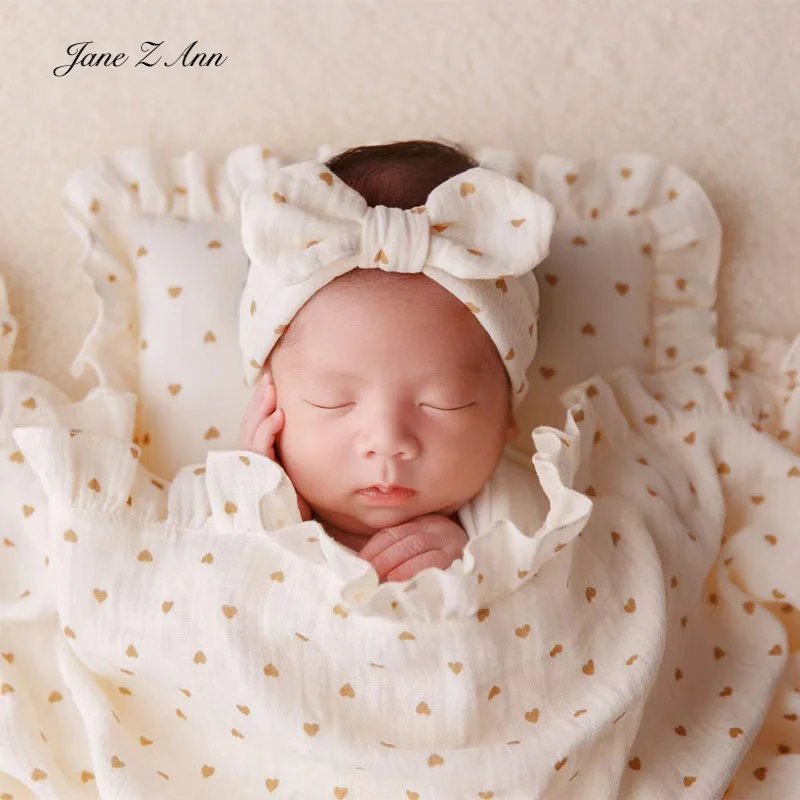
<point x="478" y="225"/>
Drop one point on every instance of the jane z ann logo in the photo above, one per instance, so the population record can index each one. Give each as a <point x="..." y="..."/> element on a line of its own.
<point x="82" y="57"/>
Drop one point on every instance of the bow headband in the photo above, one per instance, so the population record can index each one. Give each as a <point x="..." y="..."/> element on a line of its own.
<point x="479" y="235"/>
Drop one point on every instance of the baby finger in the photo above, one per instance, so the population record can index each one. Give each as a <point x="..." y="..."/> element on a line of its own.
<point x="264" y="437"/>
<point x="408" y="569"/>
<point x="260" y="405"/>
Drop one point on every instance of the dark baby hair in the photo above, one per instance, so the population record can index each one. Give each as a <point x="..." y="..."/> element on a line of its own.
<point x="399" y="174"/>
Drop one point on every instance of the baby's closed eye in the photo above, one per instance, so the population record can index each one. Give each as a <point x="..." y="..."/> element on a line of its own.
<point x="448" y="408"/>
<point x="432" y="406"/>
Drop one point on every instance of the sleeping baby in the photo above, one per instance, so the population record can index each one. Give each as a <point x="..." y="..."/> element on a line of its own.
<point x="390" y="313"/>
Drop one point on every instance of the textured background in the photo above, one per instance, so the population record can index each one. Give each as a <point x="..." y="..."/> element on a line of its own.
<point x="710" y="86"/>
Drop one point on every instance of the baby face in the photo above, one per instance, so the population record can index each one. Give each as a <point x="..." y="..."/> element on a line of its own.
<point x="389" y="380"/>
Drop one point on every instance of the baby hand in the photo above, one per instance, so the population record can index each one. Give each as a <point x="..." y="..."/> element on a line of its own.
<point x="400" y="552"/>
<point x="262" y="420"/>
<point x="260" y="425"/>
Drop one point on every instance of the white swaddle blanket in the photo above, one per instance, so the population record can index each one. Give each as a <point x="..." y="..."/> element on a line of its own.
<point x="197" y="640"/>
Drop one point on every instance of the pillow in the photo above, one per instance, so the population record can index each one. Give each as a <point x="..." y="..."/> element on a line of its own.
<point x="165" y="258"/>
<point x="630" y="280"/>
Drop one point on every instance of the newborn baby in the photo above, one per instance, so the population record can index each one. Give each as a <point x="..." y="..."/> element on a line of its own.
<point x="383" y="381"/>
<point x="384" y="400"/>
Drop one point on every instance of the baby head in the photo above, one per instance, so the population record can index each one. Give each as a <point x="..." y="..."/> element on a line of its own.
<point x="387" y="378"/>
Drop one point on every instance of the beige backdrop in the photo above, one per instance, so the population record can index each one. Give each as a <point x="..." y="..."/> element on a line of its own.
<point x="710" y="86"/>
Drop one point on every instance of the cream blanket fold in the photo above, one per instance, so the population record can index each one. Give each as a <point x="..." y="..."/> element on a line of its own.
<point x="197" y="640"/>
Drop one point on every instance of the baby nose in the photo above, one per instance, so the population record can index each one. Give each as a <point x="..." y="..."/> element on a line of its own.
<point x="389" y="438"/>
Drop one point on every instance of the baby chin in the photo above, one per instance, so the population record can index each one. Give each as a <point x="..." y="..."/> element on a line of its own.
<point x="375" y="512"/>
<point x="365" y="515"/>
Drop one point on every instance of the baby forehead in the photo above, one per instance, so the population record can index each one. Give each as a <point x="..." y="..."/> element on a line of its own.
<point x="367" y="327"/>
<point x="456" y="372"/>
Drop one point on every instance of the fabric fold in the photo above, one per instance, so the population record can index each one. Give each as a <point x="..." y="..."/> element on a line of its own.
<point x="608" y="653"/>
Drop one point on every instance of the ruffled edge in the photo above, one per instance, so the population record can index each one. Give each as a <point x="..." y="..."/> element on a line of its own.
<point x="244" y="493"/>
<point x="679" y="232"/>
<point x="624" y="406"/>
<point x="8" y="328"/>
<point x="773" y="358"/>
<point x="27" y="399"/>
<point x="775" y="364"/>
<point x="101" y="203"/>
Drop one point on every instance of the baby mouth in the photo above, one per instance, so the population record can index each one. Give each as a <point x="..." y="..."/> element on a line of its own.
<point x="387" y="491"/>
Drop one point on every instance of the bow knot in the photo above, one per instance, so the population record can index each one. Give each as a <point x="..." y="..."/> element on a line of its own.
<point x="395" y="240"/>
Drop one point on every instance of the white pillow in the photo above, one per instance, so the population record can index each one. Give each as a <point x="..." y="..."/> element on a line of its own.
<point x="165" y="258"/>
<point x="630" y="280"/>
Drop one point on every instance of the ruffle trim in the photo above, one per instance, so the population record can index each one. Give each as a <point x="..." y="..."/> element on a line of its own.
<point x="678" y="229"/>
<point x="773" y="358"/>
<point x="8" y="329"/>
<point x="776" y="362"/>
<point x="103" y="200"/>
<point x="27" y="401"/>
<point x="243" y="493"/>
